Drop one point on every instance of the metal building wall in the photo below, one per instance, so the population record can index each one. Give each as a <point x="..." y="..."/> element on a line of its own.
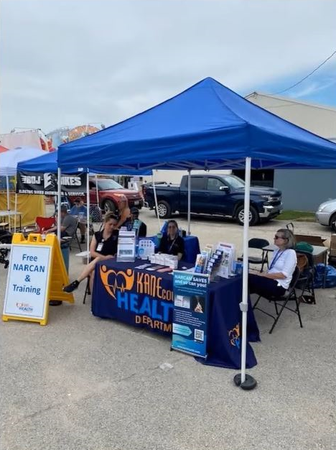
<point x="304" y="190"/>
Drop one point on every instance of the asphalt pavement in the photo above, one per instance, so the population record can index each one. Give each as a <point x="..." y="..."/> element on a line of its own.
<point x="91" y="384"/>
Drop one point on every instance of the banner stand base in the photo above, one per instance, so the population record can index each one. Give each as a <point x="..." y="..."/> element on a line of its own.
<point x="249" y="383"/>
<point x="42" y="322"/>
<point x="173" y="349"/>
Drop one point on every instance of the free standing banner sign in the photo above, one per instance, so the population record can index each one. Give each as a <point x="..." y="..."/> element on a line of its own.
<point x="46" y="183"/>
<point x="190" y="316"/>
<point x="27" y="284"/>
<point x="36" y="275"/>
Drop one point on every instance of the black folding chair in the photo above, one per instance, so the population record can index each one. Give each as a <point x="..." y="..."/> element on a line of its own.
<point x="280" y="303"/>
<point x="290" y="227"/>
<point x="75" y="242"/>
<point x="306" y="280"/>
<point x="259" y="244"/>
<point x="87" y="290"/>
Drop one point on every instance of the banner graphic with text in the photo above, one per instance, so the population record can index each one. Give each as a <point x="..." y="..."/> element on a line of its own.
<point x="46" y="184"/>
<point x="190" y="315"/>
<point x="27" y="283"/>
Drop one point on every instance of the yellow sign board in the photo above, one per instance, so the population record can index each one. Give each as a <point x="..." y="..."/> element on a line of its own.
<point x="36" y="275"/>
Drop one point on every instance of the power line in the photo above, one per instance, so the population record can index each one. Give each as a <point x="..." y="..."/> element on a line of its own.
<point x="307" y="76"/>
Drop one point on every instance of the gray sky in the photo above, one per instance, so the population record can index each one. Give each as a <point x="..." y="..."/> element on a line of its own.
<point x="67" y="63"/>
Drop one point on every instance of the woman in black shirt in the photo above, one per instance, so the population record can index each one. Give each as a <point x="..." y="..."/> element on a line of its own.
<point x="172" y="243"/>
<point x="103" y="246"/>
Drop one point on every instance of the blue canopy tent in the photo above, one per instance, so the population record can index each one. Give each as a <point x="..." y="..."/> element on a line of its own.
<point x="208" y="126"/>
<point x="49" y="163"/>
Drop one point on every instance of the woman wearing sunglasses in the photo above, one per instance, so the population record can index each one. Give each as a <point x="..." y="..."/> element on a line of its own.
<point x="277" y="279"/>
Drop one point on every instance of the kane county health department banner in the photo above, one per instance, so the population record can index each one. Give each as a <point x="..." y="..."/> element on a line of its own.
<point x="46" y="183"/>
<point x="190" y="316"/>
<point x="134" y="293"/>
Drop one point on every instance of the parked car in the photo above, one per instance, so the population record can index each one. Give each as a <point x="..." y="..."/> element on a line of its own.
<point x="326" y="214"/>
<point x="109" y="192"/>
<point x="216" y="195"/>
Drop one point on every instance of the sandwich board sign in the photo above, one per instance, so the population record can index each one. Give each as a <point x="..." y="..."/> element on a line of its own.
<point x="36" y="275"/>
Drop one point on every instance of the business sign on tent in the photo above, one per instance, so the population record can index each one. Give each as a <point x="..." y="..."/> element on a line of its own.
<point x="46" y="183"/>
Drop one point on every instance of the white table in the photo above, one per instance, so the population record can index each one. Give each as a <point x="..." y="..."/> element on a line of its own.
<point x="318" y="250"/>
<point x="10" y="214"/>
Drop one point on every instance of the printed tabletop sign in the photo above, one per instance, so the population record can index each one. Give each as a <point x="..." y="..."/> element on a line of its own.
<point x="27" y="283"/>
<point x="190" y="315"/>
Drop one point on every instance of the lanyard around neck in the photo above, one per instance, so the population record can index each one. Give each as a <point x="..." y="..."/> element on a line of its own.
<point x="171" y="246"/>
<point x="276" y="257"/>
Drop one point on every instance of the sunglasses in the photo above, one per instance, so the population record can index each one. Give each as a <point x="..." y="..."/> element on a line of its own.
<point x="279" y="237"/>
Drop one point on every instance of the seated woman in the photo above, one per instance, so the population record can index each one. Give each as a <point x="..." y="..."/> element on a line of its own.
<point x="277" y="279"/>
<point x="123" y="211"/>
<point x="104" y="245"/>
<point x="172" y="243"/>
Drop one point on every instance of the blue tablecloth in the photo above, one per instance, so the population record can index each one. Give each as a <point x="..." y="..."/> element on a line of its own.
<point x="145" y="299"/>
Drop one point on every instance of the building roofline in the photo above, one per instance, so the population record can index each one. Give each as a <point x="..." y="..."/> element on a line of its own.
<point x="290" y="100"/>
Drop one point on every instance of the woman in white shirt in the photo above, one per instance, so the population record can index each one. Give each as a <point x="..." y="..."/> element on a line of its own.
<point x="277" y="279"/>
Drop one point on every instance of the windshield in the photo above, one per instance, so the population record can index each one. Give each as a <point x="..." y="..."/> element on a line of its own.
<point x="235" y="182"/>
<point x="106" y="185"/>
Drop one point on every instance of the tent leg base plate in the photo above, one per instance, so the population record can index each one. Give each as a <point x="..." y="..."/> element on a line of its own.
<point x="249" y="383"/>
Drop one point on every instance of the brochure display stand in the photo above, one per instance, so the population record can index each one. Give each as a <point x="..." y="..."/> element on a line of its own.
<point x="126" y="246"/>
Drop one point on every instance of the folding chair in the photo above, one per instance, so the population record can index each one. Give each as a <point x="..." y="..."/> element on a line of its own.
<point x="96" y="213"/>
<point x="75" y="237"/>
<point x="306" y="280"/>
<point x="45" y="223"/>
<point x="5" y="238"/>
<point x="259" y="244"/>
<point x="290" y="227"/>
<point x="87" y="290"/>
<point x="87" y="287"/>
<point x="281" y="302"/>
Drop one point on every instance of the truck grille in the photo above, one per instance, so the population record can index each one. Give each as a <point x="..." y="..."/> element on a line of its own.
<point x="274" y="200"/>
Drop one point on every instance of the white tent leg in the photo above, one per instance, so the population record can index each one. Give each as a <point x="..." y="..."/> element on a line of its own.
<point x="243" y="380"/>
<point x="155" y="200"/>
<point x="88" y="213"/>
<point x="59" y="190"/>
<point x="8" y="203"/>
<point x="97" y="190"/>
<point x="189" y="200"/>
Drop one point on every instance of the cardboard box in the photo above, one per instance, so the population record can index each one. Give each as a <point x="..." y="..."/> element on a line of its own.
<point x="312" y="240"/>
<point x="333" y="245"/>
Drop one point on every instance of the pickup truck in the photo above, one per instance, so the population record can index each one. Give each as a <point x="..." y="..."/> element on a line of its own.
<point x="108" y="194"/>
<point x="216" y="195"/>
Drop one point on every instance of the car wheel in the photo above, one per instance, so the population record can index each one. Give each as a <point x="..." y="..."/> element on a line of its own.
<point x="164" y="209"/>
<point x="109" y="206"/>
<point x="254" y="216"/>
<point x="333" y="222"/>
